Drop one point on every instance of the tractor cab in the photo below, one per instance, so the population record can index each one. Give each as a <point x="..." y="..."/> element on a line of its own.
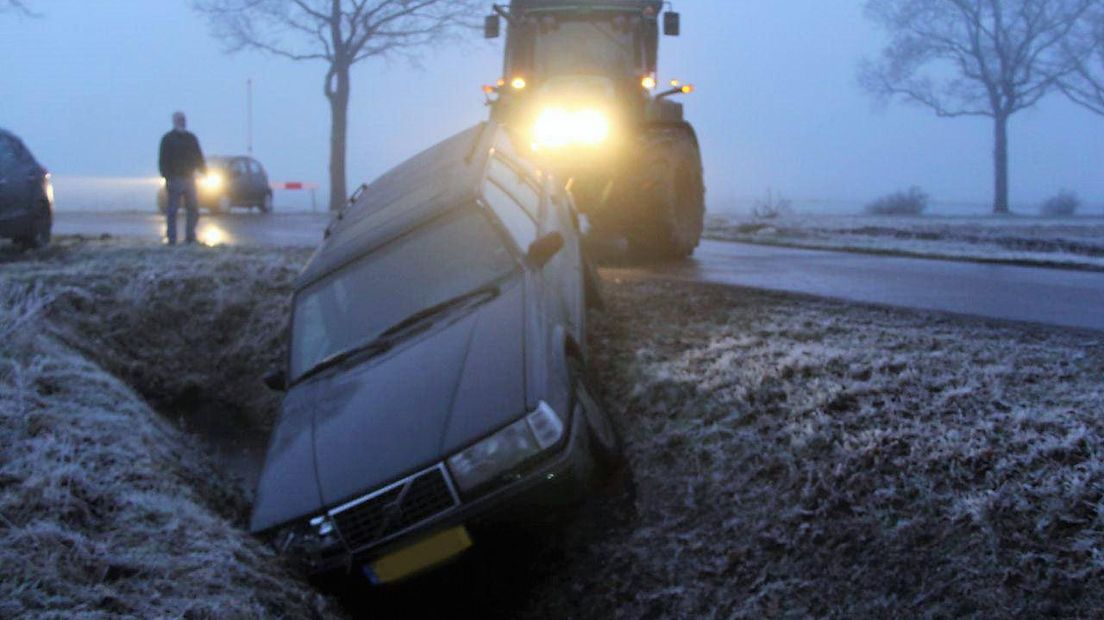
<point x="578" y="96"/>
<point x="615" y="39"/>
<point x="576" y="72"/>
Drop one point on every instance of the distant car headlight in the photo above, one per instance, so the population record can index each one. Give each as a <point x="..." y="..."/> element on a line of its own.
<point x="307" y="539"/>
<point x="559" y="127"/>
<point x="212" y="181"/>
<point x="482" y="462"/>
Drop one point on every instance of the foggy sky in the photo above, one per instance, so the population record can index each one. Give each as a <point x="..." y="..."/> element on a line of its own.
<point x="90" y="87"/>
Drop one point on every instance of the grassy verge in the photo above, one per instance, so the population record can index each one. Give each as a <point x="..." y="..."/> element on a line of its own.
<point x="792" y="457"/>
<point x="804" y="458"/>
<point x="106" y="509"/>
<point x="1071" y="243"/>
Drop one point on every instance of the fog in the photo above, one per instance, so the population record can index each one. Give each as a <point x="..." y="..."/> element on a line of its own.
<point x="90" y="87"/>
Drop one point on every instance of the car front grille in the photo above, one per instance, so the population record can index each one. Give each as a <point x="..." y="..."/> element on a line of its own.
<point x="394" y="509"/>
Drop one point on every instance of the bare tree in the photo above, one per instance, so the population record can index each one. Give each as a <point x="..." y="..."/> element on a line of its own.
<point x="988" y="58"/>
<point x="339" y="33"/>
<point x="15" y="6"/>
<point x="1085" y="85"/>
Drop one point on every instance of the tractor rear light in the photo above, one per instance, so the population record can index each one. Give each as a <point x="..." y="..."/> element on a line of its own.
<point x="648" y="82"/>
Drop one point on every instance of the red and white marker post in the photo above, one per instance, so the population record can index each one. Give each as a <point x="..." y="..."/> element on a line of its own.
<point x="299" y="186"/>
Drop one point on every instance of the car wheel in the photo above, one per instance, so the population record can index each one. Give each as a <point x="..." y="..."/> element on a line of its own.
<point x="40" y="233"/>
<point x="266" y="204"/>
<point x="606" y="442"/>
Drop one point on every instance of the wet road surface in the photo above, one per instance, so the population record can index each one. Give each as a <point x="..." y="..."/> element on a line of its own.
<point x="1032" y="294"/>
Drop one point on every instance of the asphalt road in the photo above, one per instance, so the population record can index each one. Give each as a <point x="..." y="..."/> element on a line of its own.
<point x="1031" y="294"/>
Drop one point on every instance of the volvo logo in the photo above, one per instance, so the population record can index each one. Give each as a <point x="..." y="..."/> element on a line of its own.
<point x="391" y="513"/>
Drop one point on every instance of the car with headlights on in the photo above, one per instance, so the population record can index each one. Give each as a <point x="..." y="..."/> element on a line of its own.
<point x="435" y="376"/>
<point x="26" y="195"/>
<point x="234" y="181"/>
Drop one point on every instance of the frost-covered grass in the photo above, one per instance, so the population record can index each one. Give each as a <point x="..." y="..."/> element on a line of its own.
<point x="1069" y="242"/>
<point x="792" y="457"/>
<point x="183" y="325"/>
<point x="804" y="458"/>
<point x="106" y="509"/>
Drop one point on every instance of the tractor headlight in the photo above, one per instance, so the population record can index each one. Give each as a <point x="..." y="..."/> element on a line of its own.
<point x="480" y="463"/>
<point x="559" y="127"/>
<point x="212" y="181"/>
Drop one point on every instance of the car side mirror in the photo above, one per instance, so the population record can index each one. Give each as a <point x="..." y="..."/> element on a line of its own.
<point x="542" y="250"/>
<point x="671" y="23"/>
<point x="491" y="26"/>
<point x="276" y="380"/>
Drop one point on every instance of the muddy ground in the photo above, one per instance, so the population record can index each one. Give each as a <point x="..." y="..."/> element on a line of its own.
<point x="789" y="457"/>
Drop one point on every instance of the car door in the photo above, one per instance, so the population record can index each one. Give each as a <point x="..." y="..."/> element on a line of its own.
<point x="568" y="264"/>
<point x="239" y="182"/>
<point x="558" y="280"/>
<point x="7" y="167"/>
<point x="260" y="181"/>
<point x="16" y="169"/>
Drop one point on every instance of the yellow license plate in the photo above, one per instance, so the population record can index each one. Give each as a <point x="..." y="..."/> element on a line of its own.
<point x="420" y="555"/>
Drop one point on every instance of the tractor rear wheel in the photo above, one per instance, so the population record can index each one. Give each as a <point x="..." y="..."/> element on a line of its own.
<point x="670" y="198"/>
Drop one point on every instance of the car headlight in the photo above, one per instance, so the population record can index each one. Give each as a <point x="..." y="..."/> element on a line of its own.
<point x="308" y="539"/>
<point x="559" y="127"/>
<point x="212" y="181"/>
<point x="480" y="463"/>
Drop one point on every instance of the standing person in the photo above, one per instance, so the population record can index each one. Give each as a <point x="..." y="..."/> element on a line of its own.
<point x="179" y="161"/>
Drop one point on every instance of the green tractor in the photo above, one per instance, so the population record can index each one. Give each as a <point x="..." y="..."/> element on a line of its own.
<point x="579" y="92"/>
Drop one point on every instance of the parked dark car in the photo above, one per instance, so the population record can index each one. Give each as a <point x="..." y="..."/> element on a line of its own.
<point x="235" y="181"/>
<point x="435" y="376"/>
<point x="26" y="195"/>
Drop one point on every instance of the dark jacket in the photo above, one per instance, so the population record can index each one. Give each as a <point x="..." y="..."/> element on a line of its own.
<point x="180" y="155"/>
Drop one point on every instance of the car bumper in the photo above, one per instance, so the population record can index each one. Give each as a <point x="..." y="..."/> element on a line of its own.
<point x="557" y="482"/>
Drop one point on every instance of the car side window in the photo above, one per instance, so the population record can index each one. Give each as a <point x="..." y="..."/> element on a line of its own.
<point x="516" y="185"/>
<point x="517" y="221"/>
<point x="239" y="168"/>
<point x="255" y="168"/>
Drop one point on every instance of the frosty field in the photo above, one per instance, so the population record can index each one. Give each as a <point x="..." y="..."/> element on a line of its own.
<point x="1061" y="242"/>
<point x="790" y="457"/>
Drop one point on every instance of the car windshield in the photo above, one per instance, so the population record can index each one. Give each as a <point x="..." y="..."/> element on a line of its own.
<point x="587" y="47"/>
<point x="358" y="303"/>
